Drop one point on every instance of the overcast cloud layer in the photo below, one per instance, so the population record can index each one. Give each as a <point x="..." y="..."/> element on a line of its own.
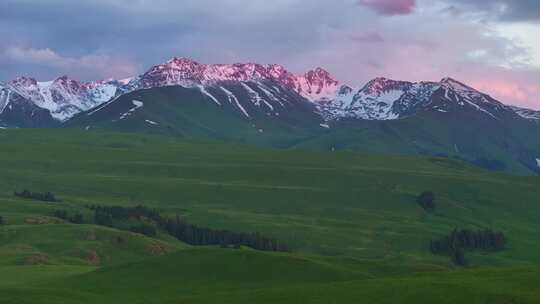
<point x="356" y="40"/>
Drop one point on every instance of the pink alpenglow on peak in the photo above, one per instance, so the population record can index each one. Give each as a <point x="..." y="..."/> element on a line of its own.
<point x="315" y="84"/>
<point x="266" y="85"/>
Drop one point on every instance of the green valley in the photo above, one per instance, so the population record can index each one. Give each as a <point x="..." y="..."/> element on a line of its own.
<point x="351" y="220"/>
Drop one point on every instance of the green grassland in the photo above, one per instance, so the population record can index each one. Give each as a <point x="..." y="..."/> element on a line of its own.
<point x="356" y="232"/>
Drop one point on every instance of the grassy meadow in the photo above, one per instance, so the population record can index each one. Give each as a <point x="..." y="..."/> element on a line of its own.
<point x="351" y="220"/>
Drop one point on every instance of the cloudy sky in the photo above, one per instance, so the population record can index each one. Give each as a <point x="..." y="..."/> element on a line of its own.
<point x="494" y="45"/>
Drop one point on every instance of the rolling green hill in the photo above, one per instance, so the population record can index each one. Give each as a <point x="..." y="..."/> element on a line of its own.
<point x="352" y="221"/>
<point x="501" y="143"/>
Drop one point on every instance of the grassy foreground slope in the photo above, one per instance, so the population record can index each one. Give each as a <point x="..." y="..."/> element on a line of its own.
<point x="351" y="219"/>
<point x="242" y="276"/>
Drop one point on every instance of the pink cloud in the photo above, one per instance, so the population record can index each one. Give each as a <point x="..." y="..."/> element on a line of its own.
<point x="390" y="7"/>
<point x="510" y="89"/>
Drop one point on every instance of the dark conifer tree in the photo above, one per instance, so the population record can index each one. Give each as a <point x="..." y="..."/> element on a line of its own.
<point x="426" y="200"/>
<point x="458" y="257"/>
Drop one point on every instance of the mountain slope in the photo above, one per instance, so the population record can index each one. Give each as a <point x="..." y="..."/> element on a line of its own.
<point x="257" y="112"/>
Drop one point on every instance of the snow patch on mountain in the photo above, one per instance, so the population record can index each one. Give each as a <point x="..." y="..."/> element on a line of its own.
<point x="527" y="113"/>
<point x="136" y="105"/>
<point x="4" y="98"/>
<point x="232" y="98"/>
<point x="256" y="98"/>
<point x="205" y="92"/>
<point x="379" y="99"/>
<point x="375" y="106"/>
<point x="268" y="93"/>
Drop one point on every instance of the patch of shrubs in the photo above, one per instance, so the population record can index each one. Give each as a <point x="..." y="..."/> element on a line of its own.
<point x="426" y="200"/>
<point x="76" y="218"/>
<point x="181" y="230"/>
<point x="39" y="196"/>
<point x="458" y="242"/>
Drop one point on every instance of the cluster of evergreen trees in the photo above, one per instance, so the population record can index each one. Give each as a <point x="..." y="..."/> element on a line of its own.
<point x="122" y="213"/>
<point x="196" y="235"/>
<point x="145" y="229"/>
<point x="457" y="242"/>
<point x="76" y="218"/>
<point x="104" y="215"/>
<point x="45" y="196"/>
<point x="180" y="229"/>
<point x="1" y="220"/>
<point x="426" y="200"/>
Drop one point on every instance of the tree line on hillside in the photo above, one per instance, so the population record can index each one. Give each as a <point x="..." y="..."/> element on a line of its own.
<point x="196" y="235"/>
<point x="183" y="231"/>
<point x="145" y="229"/>
<point x="40" y="196"/>
<point x="457" y="242"/>
<point x="76" y="218"/>
<point x="104" y="215"/>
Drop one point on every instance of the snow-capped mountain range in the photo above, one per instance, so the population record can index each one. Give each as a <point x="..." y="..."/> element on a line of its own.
<point x="379" y="99"/>
<point x="315" y="84"/>
<point x="62" y="97"/>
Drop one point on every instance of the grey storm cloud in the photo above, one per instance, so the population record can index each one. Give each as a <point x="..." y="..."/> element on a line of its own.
<point x="147" y="32"/>
<point x="505" y="10"/>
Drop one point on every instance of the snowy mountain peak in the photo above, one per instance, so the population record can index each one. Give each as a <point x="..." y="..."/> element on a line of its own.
<point x="316" y="84"/>
<point x="453" y="84"/>
<point x="62" y="97"/>
<point x="312" y="85"/>
<point x="277" y="70"/>
<point x="320" y="78"/>
<point x="23" y="81"/>
<point x="345" y="90"/>
<point x="65" y="83"/>
<point x="63" y="78"/>
<point x="320" y="73"/>
<point x="379" y="99"/>
<point x="181" y="61"/>
<point x="457" y="91"/>
<point x="381" y="84"/>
